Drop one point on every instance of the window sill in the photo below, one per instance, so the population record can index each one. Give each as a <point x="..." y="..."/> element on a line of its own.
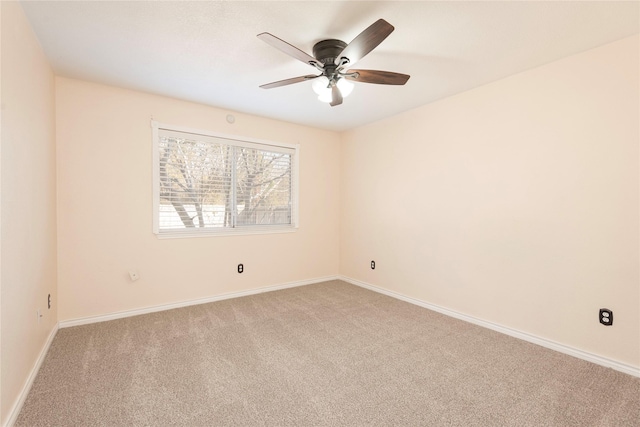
<point x="188" y="234"/>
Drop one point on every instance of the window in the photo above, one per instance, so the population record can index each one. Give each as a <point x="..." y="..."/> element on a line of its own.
<point x="208" y="184"/>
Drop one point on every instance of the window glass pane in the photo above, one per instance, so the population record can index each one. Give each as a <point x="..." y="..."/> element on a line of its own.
<point x="195" y="183"/>
<point x="263" y="187"/>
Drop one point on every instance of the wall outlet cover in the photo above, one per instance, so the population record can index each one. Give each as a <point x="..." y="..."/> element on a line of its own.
<point x="606" y="316"/>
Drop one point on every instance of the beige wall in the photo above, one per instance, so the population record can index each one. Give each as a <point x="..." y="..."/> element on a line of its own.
<point x="516" y="202"/>
<point x="105" y="207"/>
<point x="28" y="202"/>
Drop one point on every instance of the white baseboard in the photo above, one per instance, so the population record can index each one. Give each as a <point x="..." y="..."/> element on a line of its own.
<point x="580" y="354"/>
<point x="15" y="411"/>
<point x="152" y="309"/>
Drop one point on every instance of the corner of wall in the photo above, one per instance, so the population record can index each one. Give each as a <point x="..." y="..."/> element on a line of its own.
<point x="27" y="172"/>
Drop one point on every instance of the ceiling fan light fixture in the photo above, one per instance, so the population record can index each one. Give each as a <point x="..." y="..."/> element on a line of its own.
<point x="322" y="88"/>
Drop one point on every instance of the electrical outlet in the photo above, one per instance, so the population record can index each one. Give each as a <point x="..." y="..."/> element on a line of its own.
<point x="606" y="316"/>
<point x="48" y="301"/>
<point x="240" y="268"/>
<point x="373" y="265"/>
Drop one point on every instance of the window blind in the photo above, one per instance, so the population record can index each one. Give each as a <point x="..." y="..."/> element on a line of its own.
<point x="213" y="183"/>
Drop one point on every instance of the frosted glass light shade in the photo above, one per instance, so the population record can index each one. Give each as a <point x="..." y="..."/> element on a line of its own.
<point x="345" y="86"/>
<point x="321" y="87"/>
<point x="320" y="84"/>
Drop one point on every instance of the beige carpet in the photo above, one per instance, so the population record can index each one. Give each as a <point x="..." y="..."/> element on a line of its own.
<point x="323" y="354"/>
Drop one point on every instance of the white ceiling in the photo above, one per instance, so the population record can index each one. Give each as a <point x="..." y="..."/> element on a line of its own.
<point x="208" y="52"/>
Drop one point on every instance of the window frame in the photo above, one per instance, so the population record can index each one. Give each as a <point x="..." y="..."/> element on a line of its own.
<point x="239" y="141"/>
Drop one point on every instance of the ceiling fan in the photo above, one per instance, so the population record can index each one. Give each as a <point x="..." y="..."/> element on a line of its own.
<point x="332" y="58"/>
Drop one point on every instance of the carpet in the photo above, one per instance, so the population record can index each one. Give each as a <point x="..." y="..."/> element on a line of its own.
<point x="327" y="354"/>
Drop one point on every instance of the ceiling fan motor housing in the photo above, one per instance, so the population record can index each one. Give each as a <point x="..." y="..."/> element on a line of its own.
<point x="326" y="51"/>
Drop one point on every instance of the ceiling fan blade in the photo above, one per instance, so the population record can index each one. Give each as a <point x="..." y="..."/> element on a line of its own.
<point x="365" y="42"/>
<point x="336" y="96"/>
<point x="287" y="48"/>
<point x="378" y="77"/>
<point x="289" y="81"/>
